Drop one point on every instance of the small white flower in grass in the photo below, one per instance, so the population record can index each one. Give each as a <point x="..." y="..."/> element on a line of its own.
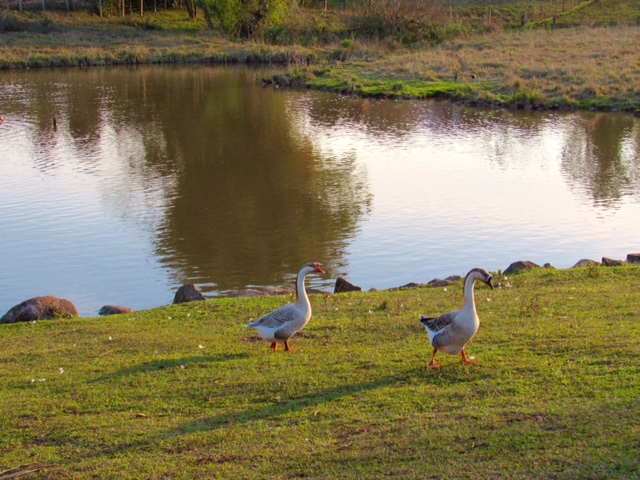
<point x="488" y="299"/>
<point x="110" y="338"/>
<point x="445" y="289"/>
<point x="201" y="347"/>
<point x="183" y="367"/>
<point x="169" y="318"/>
<point x="61" y="370"/>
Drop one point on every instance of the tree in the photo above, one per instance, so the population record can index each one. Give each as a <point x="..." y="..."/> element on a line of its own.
<point x="247" y="19"/>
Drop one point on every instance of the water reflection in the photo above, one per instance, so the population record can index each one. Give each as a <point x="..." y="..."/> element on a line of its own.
<point x="207" y="161"/>
<point x="154" y="177"/>
<point x="601" y="157"/>
<point x="253" y="209"/>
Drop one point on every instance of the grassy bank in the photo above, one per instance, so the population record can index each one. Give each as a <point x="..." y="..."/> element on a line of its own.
<point x="187" y="392"/>
<point x="582" y="67"/>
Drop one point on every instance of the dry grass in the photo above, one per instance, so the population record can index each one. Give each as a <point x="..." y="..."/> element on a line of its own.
<point x="578" y="63"/>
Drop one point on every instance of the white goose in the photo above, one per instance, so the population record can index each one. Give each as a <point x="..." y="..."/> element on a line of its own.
<point x="450" y="332"/>
<point x="281" y="324"/>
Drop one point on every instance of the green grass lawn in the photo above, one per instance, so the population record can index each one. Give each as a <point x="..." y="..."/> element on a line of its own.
<point x="187" y="392"/>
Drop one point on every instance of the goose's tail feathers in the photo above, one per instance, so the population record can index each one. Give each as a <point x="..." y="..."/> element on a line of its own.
<point x="425" y="322"/>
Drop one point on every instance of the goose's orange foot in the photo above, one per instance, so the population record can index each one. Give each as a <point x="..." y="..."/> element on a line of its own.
<point x="432" y="362"/>
<point x="274" y="346"/>
<point x="287" y="349"/>
<point x="466" y="360"/>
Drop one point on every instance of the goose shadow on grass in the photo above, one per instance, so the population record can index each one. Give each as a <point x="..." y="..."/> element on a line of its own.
<point x="168" y="364"/>
<point x="286" y="407"/>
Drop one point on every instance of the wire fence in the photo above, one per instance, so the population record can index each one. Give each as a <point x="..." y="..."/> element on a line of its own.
<point x="486" y="12"/>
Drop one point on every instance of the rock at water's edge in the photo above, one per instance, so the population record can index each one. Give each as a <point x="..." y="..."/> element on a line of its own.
<point x="343" y="286"/>
<point x="633" y="258"/>
<point x="40" y="308"/>
<point x="585" y="262"/>
<point x="113" y="310"/>
<point x="519" y="266"/>
<point x="610" y="262"/>
<point x="437" y="282"/>
<point x="187" y="293"/>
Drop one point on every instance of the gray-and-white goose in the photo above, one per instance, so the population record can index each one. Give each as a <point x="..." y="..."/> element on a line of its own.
<point x="281" y="324"/>
<point x="450" y="332"/>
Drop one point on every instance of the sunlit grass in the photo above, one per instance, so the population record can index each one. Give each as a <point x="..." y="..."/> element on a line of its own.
<point x="188" y="392"/>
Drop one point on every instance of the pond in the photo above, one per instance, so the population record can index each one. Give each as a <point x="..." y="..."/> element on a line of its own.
<point x="118" y="185"/>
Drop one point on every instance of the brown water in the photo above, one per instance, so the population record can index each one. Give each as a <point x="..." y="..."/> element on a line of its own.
<point x="158" y="176"/>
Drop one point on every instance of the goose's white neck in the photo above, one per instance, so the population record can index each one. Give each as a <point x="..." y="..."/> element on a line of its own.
<point x="469" y="299"/>
<point x="301" y="292"/>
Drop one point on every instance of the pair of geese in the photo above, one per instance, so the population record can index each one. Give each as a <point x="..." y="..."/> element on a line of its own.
<point x="448" y="333"/>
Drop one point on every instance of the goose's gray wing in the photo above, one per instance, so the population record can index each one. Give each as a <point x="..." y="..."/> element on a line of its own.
<point x="442" y="329"/>
<point x="438" y="324"/>
<point x="277" y="318"/>
<point x="288" y="330"/>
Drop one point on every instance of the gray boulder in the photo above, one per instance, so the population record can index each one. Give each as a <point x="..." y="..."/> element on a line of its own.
<point x="187" y="293"/>
<point x="585" y="262"/>
<point x="633" y="258"/>
<point x="519" y="266"/>
<point x="249" y="292"/>
<point x="40" y="308"/>
<point x="275" y="291"/>
<point x="437" y="282"/>
<point x="343" y="286"/>
<point x="610" y="262"/>
<point x="113" y="310"/>
<point x="406" y="286"/>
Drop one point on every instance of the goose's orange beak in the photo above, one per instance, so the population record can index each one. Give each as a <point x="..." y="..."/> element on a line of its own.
<point x="319" y="268"/>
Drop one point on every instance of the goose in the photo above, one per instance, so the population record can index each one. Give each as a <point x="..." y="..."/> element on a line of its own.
<point x="281" y="324"/>
<point x="450" y="332"/>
